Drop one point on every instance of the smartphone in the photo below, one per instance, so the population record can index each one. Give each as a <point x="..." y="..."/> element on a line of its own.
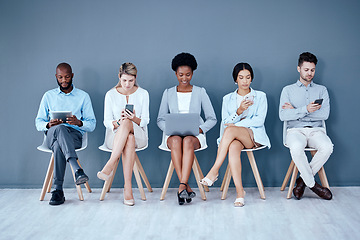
<point x="318" y="101"/>
<point x="249" y="98"/>
<point x="130" y="107"/>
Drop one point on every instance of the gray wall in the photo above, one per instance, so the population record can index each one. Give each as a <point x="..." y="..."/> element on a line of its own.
<point x="95" y="37"/>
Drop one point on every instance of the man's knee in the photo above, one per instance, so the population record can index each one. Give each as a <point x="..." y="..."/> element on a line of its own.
<point x="296" y="148"/>
<point x="326" y="148"/>
<point x="60" y="128"/>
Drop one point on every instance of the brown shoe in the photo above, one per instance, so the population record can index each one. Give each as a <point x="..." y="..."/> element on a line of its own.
<point x="321" y="191"/>
<point x="299" y="189"/>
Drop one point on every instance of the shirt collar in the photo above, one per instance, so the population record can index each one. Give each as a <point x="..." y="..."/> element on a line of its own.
<point x="58" y="91"/>
<point x="252" y="92"/>
<point x="300" y="84"/>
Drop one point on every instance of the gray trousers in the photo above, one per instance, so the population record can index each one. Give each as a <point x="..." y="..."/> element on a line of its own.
<point x="63" y="141"/>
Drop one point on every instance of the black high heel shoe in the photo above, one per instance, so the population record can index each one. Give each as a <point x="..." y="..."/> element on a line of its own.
<point x="190" y="195"/>
<point x="180" y="199"/>
<point x="182" y="195"/>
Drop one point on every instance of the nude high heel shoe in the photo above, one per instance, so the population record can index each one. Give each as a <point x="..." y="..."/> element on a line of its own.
<point x="103" y="176"/>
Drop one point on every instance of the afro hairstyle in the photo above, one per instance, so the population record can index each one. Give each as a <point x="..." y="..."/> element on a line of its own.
<point x="184" y="59"/>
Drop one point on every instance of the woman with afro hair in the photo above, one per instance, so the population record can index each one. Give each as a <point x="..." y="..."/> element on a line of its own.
<point x="185" y="98"/>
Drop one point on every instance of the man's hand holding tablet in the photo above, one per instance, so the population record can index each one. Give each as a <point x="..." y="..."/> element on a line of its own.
<point x="58" y="117"/>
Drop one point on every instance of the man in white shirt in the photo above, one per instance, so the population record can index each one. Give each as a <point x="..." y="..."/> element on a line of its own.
<point x="305" y="105"/>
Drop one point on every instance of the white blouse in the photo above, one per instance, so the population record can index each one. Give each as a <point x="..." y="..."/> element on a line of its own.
<point x="184" y="101"/>
<point x="115" y="102"/>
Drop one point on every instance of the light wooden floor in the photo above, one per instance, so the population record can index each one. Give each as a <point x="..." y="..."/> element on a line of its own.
<point x="23" y="216"/>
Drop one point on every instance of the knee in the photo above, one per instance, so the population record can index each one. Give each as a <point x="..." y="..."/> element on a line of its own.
<point x="126" y="123"/>
<point x="296" y="148"/>
<point x="228" y="131"/>
<point x="326" y="148"/>
<point x="59" y="128"/>
<point x="235" y="147"/>
<point x="174" y="142"/>
<point x="188" y="142"/>
<point x="296" y="145"/>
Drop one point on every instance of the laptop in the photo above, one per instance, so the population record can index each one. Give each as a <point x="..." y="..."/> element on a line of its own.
<point x="182" y="124"/>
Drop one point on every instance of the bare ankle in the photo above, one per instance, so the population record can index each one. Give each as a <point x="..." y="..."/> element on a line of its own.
<point x="240" y="193"/>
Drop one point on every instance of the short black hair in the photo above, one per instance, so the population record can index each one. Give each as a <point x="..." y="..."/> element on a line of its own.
<point x="184" y="59"/>
<point x="242" y="66"/>
<point x="64" y="65"/>
<point x="307" y="57"/>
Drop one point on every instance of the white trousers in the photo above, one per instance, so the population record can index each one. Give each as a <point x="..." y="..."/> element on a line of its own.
<point x="299" y="138"/>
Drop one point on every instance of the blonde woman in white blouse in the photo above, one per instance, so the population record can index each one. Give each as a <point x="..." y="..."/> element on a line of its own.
<point x="128" y="130"/>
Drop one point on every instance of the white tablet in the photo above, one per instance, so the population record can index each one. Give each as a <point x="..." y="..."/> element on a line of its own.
<point x="60" y="115"/>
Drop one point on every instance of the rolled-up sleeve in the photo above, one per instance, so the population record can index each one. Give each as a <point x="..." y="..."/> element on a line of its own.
<point x="88" y="116"/>
<point x="42" y="118"/>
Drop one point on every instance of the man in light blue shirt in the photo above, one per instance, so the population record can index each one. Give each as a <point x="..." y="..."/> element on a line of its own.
<point x="305" y="105"/>
<point x="64" y="137"/>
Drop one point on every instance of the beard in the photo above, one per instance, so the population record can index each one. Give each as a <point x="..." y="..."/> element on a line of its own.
<point x="306" y="78"/>
<point x="65" y="88"/>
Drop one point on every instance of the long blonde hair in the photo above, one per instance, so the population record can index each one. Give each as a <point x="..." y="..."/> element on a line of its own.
<point x="129" y="69"/>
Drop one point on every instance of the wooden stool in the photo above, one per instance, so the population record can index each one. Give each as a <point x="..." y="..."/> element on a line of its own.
<point x="50" y="172"/>
<point x="227" y="177"/>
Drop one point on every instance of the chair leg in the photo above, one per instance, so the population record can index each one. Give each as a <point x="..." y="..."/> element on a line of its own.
<point x="226" y="182"/>
<point x="196" y="171"/>
<point x="105" y="190"/>
<point x="138" y="180"/>
<point x="51" y="182"/>
<point x="142" y="173"/>
<point x="107" y="184"/>
<point x="87" y="186"/>
<point x="167" y="180"/>
<point x="113" y="176"/>
<point x="78" y="187"/>
<point x="256" y="174"/>
<point x="292" y="181"/>
<point x="223" y="182"/>
<point x="47" y="178"/>
<point x="201" y="175"/>
<point x="287" y="176"/>
<point x="323" y="178"/>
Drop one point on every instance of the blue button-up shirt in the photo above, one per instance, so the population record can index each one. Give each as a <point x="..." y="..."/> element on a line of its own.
<point x="299" y="96"/>
<point x="254" y="119"/>
<point x="77" y="101"/>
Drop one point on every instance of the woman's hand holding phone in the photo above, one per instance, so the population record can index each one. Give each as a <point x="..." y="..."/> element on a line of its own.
<point x="245" y="104"/>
